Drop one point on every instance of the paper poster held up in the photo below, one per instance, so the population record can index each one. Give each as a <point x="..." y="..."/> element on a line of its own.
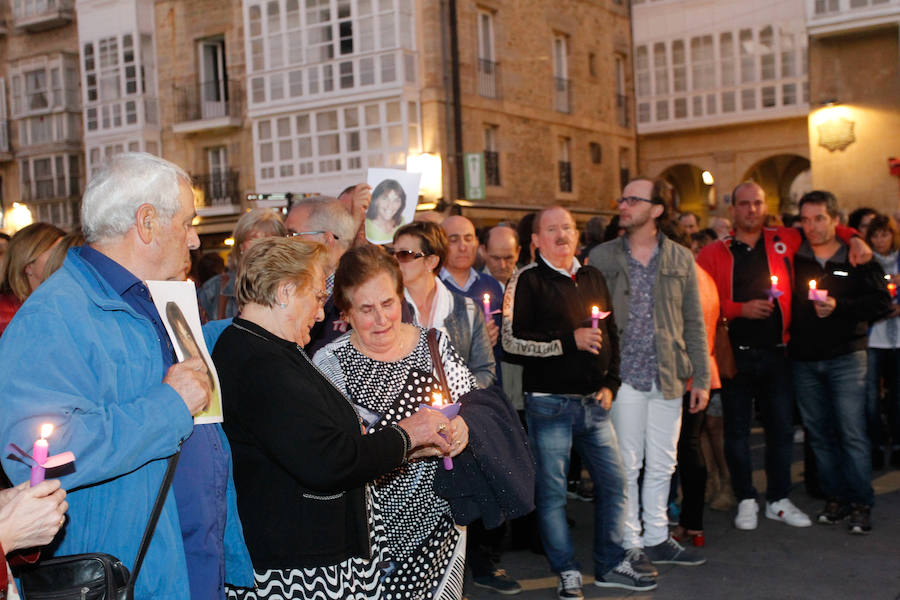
<point x="395" y="194"/>
<point x="176" y="302"/>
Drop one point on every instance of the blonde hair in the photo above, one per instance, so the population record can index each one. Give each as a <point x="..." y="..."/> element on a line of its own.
<point x="269" y="262"/>
<point x="24" y="248"/>
<point x="264" y="220"/>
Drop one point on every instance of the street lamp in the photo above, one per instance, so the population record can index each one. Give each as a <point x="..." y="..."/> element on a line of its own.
<point x="429" y="165"/>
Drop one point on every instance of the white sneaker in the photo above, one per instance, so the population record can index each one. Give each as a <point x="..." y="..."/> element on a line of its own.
<point x="746" y="518"/>
<point x="784" y="510"/>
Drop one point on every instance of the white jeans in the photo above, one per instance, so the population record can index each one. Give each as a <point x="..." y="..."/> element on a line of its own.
<point x="647" y="426"/>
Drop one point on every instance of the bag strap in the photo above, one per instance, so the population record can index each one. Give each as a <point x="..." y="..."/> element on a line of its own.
<point x="151" y="523"/>
<point x="435" y="351"/>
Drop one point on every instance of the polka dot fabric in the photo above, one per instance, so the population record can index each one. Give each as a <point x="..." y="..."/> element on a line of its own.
<point x="421" y="537"/>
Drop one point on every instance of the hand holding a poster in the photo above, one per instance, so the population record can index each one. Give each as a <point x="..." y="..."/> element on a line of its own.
<point x="191" y="380"/>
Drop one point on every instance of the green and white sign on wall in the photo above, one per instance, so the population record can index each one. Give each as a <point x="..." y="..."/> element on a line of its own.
<point x="473" y="163"/>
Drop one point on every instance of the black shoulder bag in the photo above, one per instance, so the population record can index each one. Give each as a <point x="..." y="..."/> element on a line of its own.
<point x="93" y="576"/>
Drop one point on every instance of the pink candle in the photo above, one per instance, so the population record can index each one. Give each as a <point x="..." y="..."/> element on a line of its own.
<point x="486" y="303"/>
<point x="595" y="316"/>
<point x="816" y="295"/>
<point x="39" y="453"/>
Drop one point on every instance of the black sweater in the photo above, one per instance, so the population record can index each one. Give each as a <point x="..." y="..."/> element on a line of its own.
<point x="300" y="458"/>
<point x="542" y="309"/>
<point x="861" y="298"/>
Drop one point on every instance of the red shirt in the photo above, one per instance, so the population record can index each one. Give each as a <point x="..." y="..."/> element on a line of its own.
<point x="9" y="304"/>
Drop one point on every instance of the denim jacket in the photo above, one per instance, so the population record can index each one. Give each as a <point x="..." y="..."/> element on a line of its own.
<point x="466" y="328"/>
<point x="677" y="315"/>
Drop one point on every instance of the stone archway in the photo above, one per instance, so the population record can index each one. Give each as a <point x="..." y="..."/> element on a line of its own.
<point x="784" y="177"/>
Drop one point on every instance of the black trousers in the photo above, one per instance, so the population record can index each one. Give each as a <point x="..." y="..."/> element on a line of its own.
<point x="691" y="468"/>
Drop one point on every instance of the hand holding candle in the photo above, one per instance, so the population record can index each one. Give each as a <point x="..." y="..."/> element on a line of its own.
<point x="448" y="410"/>
<point x="815" y="294"/>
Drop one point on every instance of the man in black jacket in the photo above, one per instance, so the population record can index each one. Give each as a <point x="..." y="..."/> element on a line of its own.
<point x="571" y="372"/>
<point x="829" y="335"/>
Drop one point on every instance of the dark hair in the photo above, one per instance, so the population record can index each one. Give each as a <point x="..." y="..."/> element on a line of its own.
<point x="524" y="230"/>
<point x="688" y="213"/>
<point x="822" y="197"/>
<point x="4" y="236"/>
<point x="883" y="223"/>
<point x="612" y="230"/>
<point x="856" y="217"/>
<point x="704" y="237"/>
<point x="431" y="236"/>
<point x="594" y="230"/>
<point x="388" y="185"/>
<point x="359" y="265"/>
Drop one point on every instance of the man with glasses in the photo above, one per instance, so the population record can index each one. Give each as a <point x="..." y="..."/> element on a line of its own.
<point x="325" y="220"/>
<point x="657" y="306"/>
<point x="571" y="375"/>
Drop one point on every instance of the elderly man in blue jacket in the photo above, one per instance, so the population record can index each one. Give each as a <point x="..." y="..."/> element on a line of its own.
<point x="89" y="354"/>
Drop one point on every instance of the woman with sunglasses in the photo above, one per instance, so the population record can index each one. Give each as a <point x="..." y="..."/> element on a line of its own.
<point x="421" y="248"/>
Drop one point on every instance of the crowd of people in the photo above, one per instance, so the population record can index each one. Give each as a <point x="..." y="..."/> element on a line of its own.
<point x="354" y="374"/>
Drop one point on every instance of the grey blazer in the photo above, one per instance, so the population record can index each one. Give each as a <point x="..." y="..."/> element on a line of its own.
<point x="465" y="327"/>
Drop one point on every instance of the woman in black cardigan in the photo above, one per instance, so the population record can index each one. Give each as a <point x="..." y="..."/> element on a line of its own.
<point x="301" y="461"/>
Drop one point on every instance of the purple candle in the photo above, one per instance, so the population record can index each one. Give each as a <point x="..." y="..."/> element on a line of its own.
<point x="449" y="411"/>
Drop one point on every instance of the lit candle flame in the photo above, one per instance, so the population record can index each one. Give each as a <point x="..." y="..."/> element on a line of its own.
<point x="487" y="298"/>
<point x="774" y="279"/>
<point x="46" y="430"/>
<point x="595" y="312"/>
<point x="812" y="284"/>
<point x="437" y="399"/>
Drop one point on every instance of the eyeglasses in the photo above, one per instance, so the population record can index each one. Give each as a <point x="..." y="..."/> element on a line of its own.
<point x="632" y="200"/>
<point x="296" y="233"/>
<point x="405" y="256"/>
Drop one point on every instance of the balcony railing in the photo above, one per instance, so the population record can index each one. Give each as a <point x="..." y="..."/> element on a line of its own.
<point x="218" y="189"/>
<point x="565" y="176"/>
<point x="40" y="15"/>
<point x="563" y="94"/>
<point x="622" y="110"/>
<point x="492" y="167"/>
<point x="218" y="101"/>
<point x="488" y="79"/>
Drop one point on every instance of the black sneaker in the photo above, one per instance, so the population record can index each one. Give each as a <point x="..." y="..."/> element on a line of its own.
<point x="860" y="521"/>
<point x="569" y="585"/>
<point x="640" y="563"/>
<point x="499" y="582"/>
<point x="834" y="512"/>
<point x="624" y="577"/>
<point x="671" y="552"/>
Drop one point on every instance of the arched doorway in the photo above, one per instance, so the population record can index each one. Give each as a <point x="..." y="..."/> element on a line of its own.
<point x="785" y="178"/>
<point x="689" y="191"/>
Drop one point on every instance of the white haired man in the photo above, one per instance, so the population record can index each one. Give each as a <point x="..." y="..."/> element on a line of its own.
<point x="90" y="355"/>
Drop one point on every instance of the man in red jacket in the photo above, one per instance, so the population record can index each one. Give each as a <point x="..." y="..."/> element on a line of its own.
<point x="745" y="266"/>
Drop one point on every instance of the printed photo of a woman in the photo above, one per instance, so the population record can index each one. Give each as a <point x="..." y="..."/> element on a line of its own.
<point x="385" y="213"/>
<point x="184" y="337"/>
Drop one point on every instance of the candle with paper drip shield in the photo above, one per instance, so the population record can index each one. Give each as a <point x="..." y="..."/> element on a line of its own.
<point x="773" y="293"/>
<point x="449" y="411"/>
<point x="891" y="287"/>
<point x="815" y="294"/>
<point x="596" y="315"/>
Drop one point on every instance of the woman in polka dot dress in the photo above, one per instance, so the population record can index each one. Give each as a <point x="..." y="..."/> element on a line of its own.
<point x="385" y="368"/>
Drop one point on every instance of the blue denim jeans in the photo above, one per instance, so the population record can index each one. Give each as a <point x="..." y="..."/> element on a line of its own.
<point x="554" y="424"/>
<point x="763" y="374"/>
<point x="832" y="398"/>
